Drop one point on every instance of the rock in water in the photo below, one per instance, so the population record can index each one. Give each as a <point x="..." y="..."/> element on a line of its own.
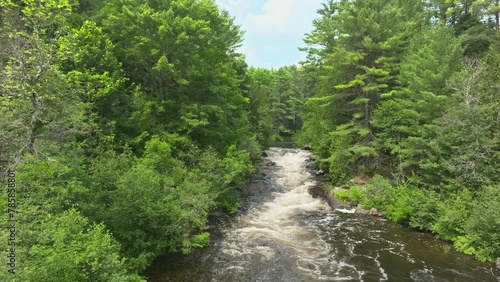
<point x="361" y="210"/>
<point x="374" y="212"/>
<point x="267" y="162"/>
<point x="316" y="191"/>
<point x="307" y="147"/>
<point x="497" y="264"/>
<point x="320" y="172"/>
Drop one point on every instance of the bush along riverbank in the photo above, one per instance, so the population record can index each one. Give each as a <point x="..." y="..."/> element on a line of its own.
<point x="470" y="221"/>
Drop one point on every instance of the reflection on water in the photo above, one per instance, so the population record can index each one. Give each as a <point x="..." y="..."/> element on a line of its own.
<point x="283" y="234"/>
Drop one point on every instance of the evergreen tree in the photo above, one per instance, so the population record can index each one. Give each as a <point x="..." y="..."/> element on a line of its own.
<point x="404" y="118"/>
<point x="366" y="39"/>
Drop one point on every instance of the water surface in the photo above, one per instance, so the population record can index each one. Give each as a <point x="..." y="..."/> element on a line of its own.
<point x="283" y="234"/>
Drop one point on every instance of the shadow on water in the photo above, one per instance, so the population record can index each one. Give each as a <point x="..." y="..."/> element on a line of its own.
<point x="283" y="234"/>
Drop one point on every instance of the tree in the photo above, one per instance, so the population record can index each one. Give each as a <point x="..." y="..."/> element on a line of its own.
<point x="87" y="58"/>
<point x="182" y="53"/>
<point x="40" y="117"/>
<point x="261" y="119"/>
<point x="489" y="8"/>
<point x="66" y="248"/>
<point x="404" y="117"/>
<point x="366" y="39"/>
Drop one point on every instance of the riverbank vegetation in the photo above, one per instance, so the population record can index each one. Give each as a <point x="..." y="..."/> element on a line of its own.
<point x="123" y="123"/>
<point x="407" y="92"/>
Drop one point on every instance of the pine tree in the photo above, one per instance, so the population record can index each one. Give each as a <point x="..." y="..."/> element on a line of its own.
<point x="363" y="41"/>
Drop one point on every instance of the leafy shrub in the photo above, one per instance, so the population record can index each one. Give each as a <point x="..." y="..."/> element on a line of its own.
<point x="356" y="194"/>
<point x="399" y="208"/>
<point x="454" y="212"/>
<point x="229" y="201"/>
<point x="66" y="247"/>
<point x="253" y="147"/>
<point x="376" y="193"/>
<point x="464" y="244"/>
<point x="425" y="208"/>
<point x="483" y="225"/>
<point x="342" y="195"/>
<point x="200" y="240"/>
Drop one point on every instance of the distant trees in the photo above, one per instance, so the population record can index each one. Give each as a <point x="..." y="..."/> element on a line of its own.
<point x="276" y="101"/>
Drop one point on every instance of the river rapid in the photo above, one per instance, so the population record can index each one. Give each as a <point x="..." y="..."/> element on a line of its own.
<point x="284" y="234"/>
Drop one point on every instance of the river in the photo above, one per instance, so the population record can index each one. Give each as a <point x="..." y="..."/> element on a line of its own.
<point x="284" y="234"/>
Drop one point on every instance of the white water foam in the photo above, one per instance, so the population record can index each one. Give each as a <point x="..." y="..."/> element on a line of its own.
<point x="274" y="223"/>
<point x="346" y="210"/>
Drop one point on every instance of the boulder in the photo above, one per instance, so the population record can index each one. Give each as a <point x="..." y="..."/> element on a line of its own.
<point x="312" y="165"/>
<point x="497" y="264"/>
<point x="264" y="154"/>
<point x="334" y="202"/>
<point x="360" y="179"/>
<point x="361" y="210"/>
<point x="257" y="185"/>
<point x="316" y="191"/>
<point x="307" y="147"/>
<point x="320" y="172"/>
<point x="374" y="212"/>
<point x="267" y="162"/>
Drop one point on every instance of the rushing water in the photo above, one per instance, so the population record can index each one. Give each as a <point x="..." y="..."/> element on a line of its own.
<point x="283" y="234"/>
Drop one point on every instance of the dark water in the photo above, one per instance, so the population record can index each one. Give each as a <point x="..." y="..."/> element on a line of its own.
<point x="283" y="234"/>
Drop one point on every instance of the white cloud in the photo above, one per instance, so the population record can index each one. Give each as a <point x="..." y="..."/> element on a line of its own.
<point x="236" y="8"/>
<point x="273" y="28"/>
<point x="284" y="17"/>
<point x="251" y="56"/>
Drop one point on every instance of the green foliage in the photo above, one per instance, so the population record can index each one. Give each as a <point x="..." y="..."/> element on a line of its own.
<point x="356" y="194"/>
<point x="425" y="205"/>
<point x="403" y="119"/>
<point x="66" y="248"/>
<point x="123" y="118"/>
<point x="376" y="192"/>
<point x="402" y="203"/>
<point x="52" y="184"/>
<point x="74" y="252"/>
<point x="277" y="102"/>
<point x="200" y="240"/>
<point x="454" y="212"/>
<point x="182" y="53"/>
<point x="408" y="89"/>
<point x="359" y="64"/>
<point x="343" y="195"/>
<point x="463" y="244"/>
<point x="399" y="208"/>
<point x="483" y="225"/>
<point x="128" y="121"/>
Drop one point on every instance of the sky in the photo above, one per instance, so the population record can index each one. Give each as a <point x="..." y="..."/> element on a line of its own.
<point x="274" y="29"/>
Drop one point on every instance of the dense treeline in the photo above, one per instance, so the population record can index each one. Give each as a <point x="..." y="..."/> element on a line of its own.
<point x="277" y="100"/>
<point x="125" y="123"/>
<point x="407" y="92"/>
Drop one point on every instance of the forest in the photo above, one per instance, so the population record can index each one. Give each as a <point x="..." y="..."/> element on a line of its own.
<point x="124" y="123"/>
